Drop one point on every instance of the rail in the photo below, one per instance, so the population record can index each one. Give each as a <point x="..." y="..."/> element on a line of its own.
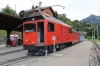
<point x="11" y="52"/>
<point x="16" y="60"/>
<point x="97" y="48"/>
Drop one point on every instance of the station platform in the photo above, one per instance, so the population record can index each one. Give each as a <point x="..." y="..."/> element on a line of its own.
<point x="76" y="55"/>
<point x="4" y="48"/>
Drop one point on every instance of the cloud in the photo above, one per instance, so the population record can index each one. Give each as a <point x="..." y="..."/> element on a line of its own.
<point x="75" y="9"/>
<point x="79" y="9"/>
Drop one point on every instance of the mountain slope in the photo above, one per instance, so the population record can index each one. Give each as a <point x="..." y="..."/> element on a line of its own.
<point x="92" y="19"/>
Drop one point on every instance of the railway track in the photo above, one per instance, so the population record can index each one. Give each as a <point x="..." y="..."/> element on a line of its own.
<point x="16" y="60"/>
<point x="11" y="52"/>
<point x="97" y="48"/>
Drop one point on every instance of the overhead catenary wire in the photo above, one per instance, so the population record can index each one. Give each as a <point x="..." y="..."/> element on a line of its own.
<point x="2" y="3"/>
<point x="35" y="2"/>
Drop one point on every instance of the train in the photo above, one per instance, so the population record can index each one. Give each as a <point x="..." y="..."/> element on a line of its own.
<point x="41" y="32"/>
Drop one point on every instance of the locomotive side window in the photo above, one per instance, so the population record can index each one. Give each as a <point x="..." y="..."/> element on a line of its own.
<point x="50" y="27"/>
<point x="70" y="30"/>
<point x="29" y="27"/>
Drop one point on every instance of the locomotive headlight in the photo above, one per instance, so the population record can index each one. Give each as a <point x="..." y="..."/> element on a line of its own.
<point x="33" y="42"/>
<point x="26" y="40"/>
<point x="33" y="19"/>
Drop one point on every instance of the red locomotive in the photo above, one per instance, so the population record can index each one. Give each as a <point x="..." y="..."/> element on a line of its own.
<point x="38" y="33"/>
<point x="39" y="30"/>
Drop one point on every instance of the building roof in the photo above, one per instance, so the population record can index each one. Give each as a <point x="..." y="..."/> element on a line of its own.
<point x="42" y="8"/>
<point x="8" y="22"/>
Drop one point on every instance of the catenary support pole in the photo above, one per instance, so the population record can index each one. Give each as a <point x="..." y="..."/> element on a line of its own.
<point x="97" y="33"/>
<point x="94" y="33"/>
<point x="40" y="7"/>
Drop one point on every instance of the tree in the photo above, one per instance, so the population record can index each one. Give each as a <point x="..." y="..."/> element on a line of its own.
<point x="32" y="7"/>
<point x="56" y="14"/>
<point x="9" y="11"/>
<point x="26" y="13"/>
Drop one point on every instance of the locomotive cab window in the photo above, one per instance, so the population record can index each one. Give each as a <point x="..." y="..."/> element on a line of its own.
<point x="70" y="30"/>
<point x="29" y="27"/>
<point x="50" y="27"/>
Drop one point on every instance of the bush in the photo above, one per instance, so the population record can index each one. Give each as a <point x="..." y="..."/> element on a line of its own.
<point x="88" y="37"/>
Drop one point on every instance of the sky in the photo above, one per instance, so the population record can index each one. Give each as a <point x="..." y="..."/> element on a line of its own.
<point x="74" y="9"/>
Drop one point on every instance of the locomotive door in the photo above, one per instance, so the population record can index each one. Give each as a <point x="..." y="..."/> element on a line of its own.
<point x="40" y="32"/>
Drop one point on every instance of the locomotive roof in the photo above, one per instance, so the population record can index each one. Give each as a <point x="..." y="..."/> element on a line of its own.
<point x="55" y="20"/>
<point x="46" y="17"/>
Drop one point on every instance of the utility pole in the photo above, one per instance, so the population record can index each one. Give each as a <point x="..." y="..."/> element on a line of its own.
<point x="15" y="9"/>
<point x="94" y="33"/>
<point x="97" y="33"/>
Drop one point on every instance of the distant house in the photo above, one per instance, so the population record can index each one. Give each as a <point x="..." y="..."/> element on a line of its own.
<point x="47" y="11"/>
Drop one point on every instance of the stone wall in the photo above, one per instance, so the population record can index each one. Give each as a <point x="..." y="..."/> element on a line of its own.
<point x="2" y="40"/>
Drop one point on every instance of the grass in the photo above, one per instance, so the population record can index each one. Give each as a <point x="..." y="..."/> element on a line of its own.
<point x="95" y="40"/>
<point x="3" y="33"/>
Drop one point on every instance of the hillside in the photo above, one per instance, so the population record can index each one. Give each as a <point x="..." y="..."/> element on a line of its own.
<point x="92" y="19"/>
